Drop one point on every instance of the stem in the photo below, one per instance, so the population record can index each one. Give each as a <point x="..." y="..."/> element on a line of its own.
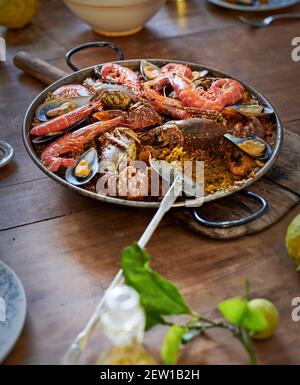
<point x="247" y="343"/>
<point x="240" y="334"/>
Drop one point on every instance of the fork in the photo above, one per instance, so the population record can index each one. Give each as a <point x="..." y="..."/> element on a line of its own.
<point x="268" y="20"/>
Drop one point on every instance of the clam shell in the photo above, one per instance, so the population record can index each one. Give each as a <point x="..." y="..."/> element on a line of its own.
<point x="251" y="109"/>
<point x="91" y="156"/>
<point x="237" y="141"/>
<point x="148" y="70"/>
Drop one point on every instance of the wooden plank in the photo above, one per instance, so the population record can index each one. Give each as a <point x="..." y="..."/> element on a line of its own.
<point x="38" y="200"/>
<point x="66" y="264"/>
<point x="279" y="199"/>
<point x="286" y="171"/>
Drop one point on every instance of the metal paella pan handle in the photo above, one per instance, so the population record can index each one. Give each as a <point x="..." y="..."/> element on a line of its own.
<point x="92" y="44"/>
<point x="235" y="222"/>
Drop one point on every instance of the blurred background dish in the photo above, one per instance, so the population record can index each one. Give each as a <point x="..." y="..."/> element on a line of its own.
<point x="6" y="153"/>
<point x="254" y="5"/>
<point x="115" y="17"/>
<point x="13" y="309"/>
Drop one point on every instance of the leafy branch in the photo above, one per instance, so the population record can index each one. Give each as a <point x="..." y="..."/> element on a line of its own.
<point x="160" y="298"/>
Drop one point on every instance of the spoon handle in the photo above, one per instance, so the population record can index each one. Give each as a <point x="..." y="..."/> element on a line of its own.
<point x="286" y="16"/>
<point x="73" y="353"/>
<point x="166" y="204"/>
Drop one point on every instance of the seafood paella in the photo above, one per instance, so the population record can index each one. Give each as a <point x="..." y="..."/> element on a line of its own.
<point x="101" y="134"/>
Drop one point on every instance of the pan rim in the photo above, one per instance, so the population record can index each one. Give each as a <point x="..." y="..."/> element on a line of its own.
<point x="120" y="201"/>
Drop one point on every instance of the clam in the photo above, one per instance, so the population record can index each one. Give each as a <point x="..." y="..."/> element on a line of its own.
<point x="115" y="96"/>
<point x="85" y="169"/>
<point x="148" y="70"/>
<point x="49" y="138"/>
<point x="196" y="75"/>
<point x="253" y="145"/>
<point x="60" y="106"/>
<point x="251" y="109"/>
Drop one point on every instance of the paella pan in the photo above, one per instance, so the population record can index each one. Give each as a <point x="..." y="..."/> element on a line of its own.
<point x="150" y="109"/>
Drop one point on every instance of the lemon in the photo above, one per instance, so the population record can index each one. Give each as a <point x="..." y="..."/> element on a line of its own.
<point x="17" y="13"/>
<point x="292" y="240"/>
<point x="271" y="315"/>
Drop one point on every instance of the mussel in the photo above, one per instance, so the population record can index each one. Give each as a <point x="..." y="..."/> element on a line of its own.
<point x="148" y="70"/>
<point x="250" y="109"/>
<point x="252" y="145"/>
<point x="85" y="169"/>
<point x="60" y="106"/>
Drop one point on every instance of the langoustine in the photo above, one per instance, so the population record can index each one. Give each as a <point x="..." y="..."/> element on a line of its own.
<point x="223" y="92"/>
<point x="74" y="142"/>
<point x="116" y="73"/>
<point x="65" y="121"/>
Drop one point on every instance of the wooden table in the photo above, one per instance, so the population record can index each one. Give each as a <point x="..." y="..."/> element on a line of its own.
<point x="66" y="249"/>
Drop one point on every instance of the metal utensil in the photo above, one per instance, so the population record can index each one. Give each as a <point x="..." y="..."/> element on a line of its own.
<point x="268" y="20"/>
<point x="73" y="353"/>
<point x="179" y="182"/>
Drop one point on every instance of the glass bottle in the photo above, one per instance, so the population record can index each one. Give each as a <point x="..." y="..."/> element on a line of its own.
<point x="123" y="322"/>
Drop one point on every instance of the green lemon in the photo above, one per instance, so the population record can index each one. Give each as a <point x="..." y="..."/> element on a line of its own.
<point x="292" y="240"/>
<point x="17" y="13"/>
<point x="271" y="315"/>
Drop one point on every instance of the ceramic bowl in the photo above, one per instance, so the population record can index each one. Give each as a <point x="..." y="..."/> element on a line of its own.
<point x="115" y="17"/>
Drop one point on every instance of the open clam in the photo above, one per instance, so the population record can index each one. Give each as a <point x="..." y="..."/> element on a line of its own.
<point x="252" y="145"/>
<point x="115" y="96"/>
<point x="148" y="70"/>
<point x="55" y="107"/>
<point x="250" y="109"/>
<point x="85" y="169"/>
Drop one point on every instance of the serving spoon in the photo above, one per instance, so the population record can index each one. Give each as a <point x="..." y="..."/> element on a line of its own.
<point x="268" y="20"/>
<point x="180" y="182"/>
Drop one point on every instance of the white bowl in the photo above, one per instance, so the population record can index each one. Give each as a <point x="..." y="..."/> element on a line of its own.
<point x="115" y="17"/>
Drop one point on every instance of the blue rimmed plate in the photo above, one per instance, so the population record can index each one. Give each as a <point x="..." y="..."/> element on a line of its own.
<point x="272" y="5"/>
<point x="12" y="309"/>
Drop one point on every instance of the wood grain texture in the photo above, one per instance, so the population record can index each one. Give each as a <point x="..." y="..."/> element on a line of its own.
<point x="66" y="250"/>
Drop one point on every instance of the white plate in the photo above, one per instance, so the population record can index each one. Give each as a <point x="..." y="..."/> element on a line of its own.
<point x="272" y="5"/>
<point x="12" y="291"/>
